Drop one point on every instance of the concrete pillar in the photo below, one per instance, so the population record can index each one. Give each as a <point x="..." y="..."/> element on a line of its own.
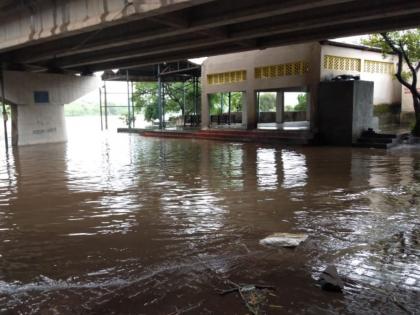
<point x="40" y="124"/>
<point x="39" y="98"/>
<point x="279" y="107"/>
<point x="205" y="111"/>
<point x="308" y="105"/>
<point x="14" y="119"/>
<point x="249" y="112"/>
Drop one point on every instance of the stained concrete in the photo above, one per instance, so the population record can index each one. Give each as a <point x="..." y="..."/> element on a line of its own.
<point x="345" y="110"/>
<point x="42" y="122"/>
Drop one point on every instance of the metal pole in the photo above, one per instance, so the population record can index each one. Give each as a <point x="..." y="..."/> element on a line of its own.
<point x="100" y="108"/>
<point x="128" y="101"/>
<point x="258" y="107"/>
<point x="3" y="101"/>
<point x="163" y="106"/>
<point x="183" y="102"/>
<point x="229" y="105"/>
<point x="132" y="104"/>
<point x="106" y="106"/>
<point x="159" y="97"/>
<point x="197" y="102"/>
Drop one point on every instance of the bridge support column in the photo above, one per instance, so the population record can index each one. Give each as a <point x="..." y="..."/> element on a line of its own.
<point x="249" y="112"/>
<point x="279" y="107"/>
<point x="38" y="104"/>
<point x="205" y="108"/>
<point x="39" y="124"/>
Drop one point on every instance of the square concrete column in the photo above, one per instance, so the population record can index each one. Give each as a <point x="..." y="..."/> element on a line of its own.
<point x="205" y="111"/>
<point x="308" y="105"/>
<point x="249" y="112"/>
<point x="280" y="107"/>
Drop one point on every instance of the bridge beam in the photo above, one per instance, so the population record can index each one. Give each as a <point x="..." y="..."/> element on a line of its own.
<point x="83" y="35"/>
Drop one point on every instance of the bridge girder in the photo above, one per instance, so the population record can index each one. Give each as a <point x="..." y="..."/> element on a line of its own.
<point x="205" y="28"/>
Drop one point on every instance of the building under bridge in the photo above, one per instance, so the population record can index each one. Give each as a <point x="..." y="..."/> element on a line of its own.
<point x="293" y="68"/>
<point x="49" y="49"/>
<point x="283" y="71"/>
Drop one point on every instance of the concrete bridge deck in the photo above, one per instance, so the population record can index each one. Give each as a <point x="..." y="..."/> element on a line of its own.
<point x="90" y="35"/>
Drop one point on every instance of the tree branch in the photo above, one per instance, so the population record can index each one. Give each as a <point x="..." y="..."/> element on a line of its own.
<point x="390" y="43"/>
<point x="399" y="53"/>
<point x="406" y="58"/>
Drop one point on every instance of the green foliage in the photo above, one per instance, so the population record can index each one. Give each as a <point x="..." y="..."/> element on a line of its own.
<point x="406" y="45"/>
<point x="216" y="103"/>
<point x="267" y="102"/>
<point x="302" y="102"/>
<point x="146" y="98"/>
<point x="409" y="40"/>
<point x="301" y="106"/>
<point x="174" y="97"/>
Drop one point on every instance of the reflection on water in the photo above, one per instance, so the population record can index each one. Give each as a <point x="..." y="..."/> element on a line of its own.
<point x="294" y="168"/>
<point x="118" y="223"/>
<point x="266" y="169"/>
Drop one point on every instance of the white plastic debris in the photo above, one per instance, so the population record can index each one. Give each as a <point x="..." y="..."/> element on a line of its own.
<point x="284" y="239"/>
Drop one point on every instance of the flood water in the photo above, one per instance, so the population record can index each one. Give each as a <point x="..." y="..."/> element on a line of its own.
<point x="115" y="223"/>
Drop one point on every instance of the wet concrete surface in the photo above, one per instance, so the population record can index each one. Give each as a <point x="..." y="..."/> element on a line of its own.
<point x="119" y="224"/>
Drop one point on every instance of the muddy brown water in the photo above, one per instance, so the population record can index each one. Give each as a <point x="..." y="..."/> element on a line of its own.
<point x="120" y="224"/>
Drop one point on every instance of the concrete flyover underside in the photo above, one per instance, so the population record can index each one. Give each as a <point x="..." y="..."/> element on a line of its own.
<point x="83" y="36"/>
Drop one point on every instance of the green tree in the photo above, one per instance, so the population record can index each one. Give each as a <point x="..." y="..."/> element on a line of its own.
<point x="216" y="99"/>
<point x="406" y="45"/>
<point x="267" y="102"/>
<point x="180" y="97"/>
<point x="302" y="102"/>
<point x="145" y="98"/>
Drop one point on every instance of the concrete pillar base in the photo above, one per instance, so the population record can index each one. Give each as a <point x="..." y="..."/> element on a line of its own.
<point x="40" y="124"/>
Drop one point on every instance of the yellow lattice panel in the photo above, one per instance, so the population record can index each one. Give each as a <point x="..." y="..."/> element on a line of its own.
<point x="226" y="77"/>
<point x="286" y="69"/>
<point x="342" y="63"/>
<point x="381" y="67"/>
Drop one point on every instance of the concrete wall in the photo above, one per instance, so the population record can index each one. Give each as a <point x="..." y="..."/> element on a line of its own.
<point x="407" y="99"/>
<point x="248" y="61"/>
<point x="344" y="111"/>
<point x="386" y="88"/>
<point x="43" y="122"/>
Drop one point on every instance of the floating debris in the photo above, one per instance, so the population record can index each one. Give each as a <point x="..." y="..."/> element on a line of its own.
<point x="289" y="240"/>
<point x="330" y="281"/>
<point x="253" y="295"/>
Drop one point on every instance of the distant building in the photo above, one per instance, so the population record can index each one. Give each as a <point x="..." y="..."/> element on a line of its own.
<point x="295" y="68"/>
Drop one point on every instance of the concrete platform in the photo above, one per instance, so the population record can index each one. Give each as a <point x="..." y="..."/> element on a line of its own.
<point x="260" y="136"/>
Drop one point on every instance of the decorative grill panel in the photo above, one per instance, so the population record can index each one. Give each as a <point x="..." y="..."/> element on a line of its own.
<point x="226" y="77"/>
<point x="286" y="69"/>
<point x="372" y="66"/>
<point x="342" y="63"/>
